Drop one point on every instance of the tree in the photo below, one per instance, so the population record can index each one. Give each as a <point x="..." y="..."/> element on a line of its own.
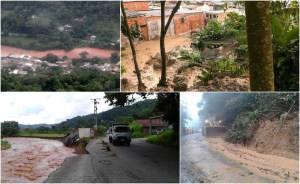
<point x="259" y="37"/>
<point x="83" y="54"/>
<point x="9" y="128"/>
<point x="51" y="58"/>
<point x="163" y="32"/>
<point x="114" y="58"/>
<point x="141" y="85"/>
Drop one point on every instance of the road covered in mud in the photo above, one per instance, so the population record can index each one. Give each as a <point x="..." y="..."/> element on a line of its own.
<point x="31" y="159"/>
<point x="214" y="160"/>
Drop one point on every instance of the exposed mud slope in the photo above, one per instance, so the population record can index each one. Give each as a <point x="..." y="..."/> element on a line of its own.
<point x="31" y="159"/>
<point x="145" y="52"/>
<point x="275" y="168"/>
<point x="149" y="61"/>
<point x="277" y="136"/>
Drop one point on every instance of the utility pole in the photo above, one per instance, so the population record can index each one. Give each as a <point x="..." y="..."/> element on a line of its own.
<point x="95" y="101"/>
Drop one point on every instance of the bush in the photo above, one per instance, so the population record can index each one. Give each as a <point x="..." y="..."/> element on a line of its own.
<point x="137" y="135"/>
<point x="101" y="130"/>
<point x="5" y="145"/>
<point x="137" y="131"/>
<point x="192" y="57"/>
<point x="165" y="138"/>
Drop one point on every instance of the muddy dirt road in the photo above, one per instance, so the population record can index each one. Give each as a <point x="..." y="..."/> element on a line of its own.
<point x="140" y="162"/>
<point x="213" y="160"/>
<point x="31" y="159"/>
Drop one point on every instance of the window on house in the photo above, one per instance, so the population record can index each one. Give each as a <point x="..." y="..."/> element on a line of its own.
<point x="182" y="20"/>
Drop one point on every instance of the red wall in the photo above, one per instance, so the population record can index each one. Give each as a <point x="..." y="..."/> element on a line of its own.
<point x="136" y="5"/>
<point x="191" y="22"/>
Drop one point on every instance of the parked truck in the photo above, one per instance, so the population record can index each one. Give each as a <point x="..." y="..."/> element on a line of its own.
<point x="119" y="133"/>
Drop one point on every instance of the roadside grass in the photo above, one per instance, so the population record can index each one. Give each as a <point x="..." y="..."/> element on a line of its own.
<point x="26" y="134"/>
<point x="166" y="139"/>
<point x="5" y="145"/>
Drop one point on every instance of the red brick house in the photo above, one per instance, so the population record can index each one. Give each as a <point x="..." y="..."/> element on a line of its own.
<point x="184" y="21"/>
<point x="153" y="124"/>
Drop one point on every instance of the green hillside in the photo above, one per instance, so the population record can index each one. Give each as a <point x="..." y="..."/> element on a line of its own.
<point x="135" y="110"/>
<point x="60" y="25"/>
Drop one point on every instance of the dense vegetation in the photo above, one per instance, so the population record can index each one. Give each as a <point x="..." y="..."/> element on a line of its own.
<point x="285" y="40"/>
<point x="9" y="128"/>
<point x="55" y="79"/>
<point x="60" y="25"/>
<point x="240" y="111"/>
<point x="165" y="138"/>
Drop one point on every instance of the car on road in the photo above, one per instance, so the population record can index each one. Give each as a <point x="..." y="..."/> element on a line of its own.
<point x="119" y="133"/>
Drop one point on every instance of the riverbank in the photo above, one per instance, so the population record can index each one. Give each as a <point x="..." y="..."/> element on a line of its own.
<point x="75" y="53"/>
<point x="32" y="159"/>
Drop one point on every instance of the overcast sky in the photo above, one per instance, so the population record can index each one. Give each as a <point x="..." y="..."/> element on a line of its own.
<point x="46" y="107"/>
<point x="191" y="99"/>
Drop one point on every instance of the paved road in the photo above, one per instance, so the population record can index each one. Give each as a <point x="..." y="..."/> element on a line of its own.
<point x="140" y="162"/>
<point x="200" y="164"/>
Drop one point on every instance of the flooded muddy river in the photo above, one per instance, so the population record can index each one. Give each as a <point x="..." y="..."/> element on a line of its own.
<point x="31" y="159"/>
<point x="93" y="52"/>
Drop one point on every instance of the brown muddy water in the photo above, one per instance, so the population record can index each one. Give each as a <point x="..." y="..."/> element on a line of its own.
<point x="31" y="160"/>
<point x="93" y="52"/>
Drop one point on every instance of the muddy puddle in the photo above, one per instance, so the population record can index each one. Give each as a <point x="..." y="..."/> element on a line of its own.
<point x="93" y="52"/>
<point x="31" y="160"/>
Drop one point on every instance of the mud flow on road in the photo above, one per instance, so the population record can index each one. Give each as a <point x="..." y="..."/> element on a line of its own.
<point x="31" y="159"/>
<point x="214" y="160"/>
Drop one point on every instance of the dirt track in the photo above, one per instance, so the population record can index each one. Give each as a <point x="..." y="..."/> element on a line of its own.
<point x="213" y="160"/>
